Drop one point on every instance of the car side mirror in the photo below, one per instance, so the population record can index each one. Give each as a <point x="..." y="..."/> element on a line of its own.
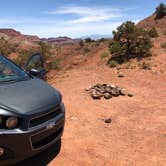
<point x="38" y="73"/>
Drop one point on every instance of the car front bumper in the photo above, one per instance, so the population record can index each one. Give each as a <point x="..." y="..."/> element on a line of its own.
<point x="19" y="145"/>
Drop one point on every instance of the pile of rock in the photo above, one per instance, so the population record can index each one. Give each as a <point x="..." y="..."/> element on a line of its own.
<point x="107" y="91"/>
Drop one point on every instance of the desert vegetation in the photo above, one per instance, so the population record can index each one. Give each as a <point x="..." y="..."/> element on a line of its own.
<point x="6" y="47"/>
<point x="47" y="50"/>
<point x="129" y="42"/>
<point x="160" y="11"/>
<point x="153" y="32"/>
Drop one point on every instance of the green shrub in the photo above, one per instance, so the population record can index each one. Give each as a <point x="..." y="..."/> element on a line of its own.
<point x="129" y="42"/>
<point x="86" y="50"/>
<point x="153" y="32"/>
<point x="18" y="61"/>
<point x="163" y="45"/>
<point x="104" y="55"/>
<point x="53" y="64"/>
<point x="6" y="47"/>
<point x="89" y="40"/>
<point x="24" y="55"/>
<point x="112" y="63"/>
<point x="145" y="66"/>
<point x="160" y="11"/>
<point x="45" y="49"/>
<point x="102" y="40"/>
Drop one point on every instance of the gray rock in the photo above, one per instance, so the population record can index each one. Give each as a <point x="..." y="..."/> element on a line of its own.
<point x="95" y="96"/>
<point x="122" y="92"/>
<point x="109" y="120"/>
<point x="115" y="92"/>
<point x="112" y="86"/>
<point x="130" y="95"/>
<point x="120" y="74"/>
<point x="107" y="95"/>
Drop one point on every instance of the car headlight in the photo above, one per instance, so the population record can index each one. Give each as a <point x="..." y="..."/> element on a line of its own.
<point x="12" y="122"/>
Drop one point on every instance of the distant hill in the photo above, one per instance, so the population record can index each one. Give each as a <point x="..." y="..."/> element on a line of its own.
<point x="60" y="40"/>
<point x="13" y="34"/>
<point x="97" y="36"/>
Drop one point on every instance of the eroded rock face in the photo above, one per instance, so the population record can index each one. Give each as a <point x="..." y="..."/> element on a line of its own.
<point x="107" y="91"/>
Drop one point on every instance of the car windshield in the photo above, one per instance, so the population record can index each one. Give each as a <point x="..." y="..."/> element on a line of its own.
<point x="10" y="72"/>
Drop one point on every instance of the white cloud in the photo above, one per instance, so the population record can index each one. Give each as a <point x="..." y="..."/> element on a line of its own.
<point x="88" y="14"/>
<point x="19" y="21"/>
<point x="10" y="21"/>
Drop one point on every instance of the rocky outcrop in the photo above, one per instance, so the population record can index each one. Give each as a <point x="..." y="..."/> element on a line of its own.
<point x="13" y="34"/>
<point x="61" y="40"/>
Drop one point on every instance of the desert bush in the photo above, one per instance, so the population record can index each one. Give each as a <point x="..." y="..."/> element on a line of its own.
<point x="24" y="55"/>
<point x="104" y="55"/>
<point x="45" y="49"/>
<point x="102" y="40"/>
<point x="145" y="66"/>
<point x="130" y="65"/>
<point x="88" y="40"/>
<point x="163" y="45"/>
<point x="6" y="47"/>
<point x="53" y="64"/>
<point x="86" y="50"/>
<point x="153" y="32"/>
<point x="129" y="42"/>
<point x="18" y="61"/>
<point x="160" y="11"/>
<point x="112" y="63"/>
<point x="81" y="43"/>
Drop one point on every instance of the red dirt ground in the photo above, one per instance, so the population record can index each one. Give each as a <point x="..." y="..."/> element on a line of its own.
<point x="137" y="134"/>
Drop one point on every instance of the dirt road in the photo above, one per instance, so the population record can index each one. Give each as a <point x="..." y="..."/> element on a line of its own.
<point x="137" y="134"/>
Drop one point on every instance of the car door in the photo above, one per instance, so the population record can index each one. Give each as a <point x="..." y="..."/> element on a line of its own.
<point x="35" y="66"/>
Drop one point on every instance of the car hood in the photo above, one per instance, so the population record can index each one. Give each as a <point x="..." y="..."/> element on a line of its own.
<point x="27" y="97"/>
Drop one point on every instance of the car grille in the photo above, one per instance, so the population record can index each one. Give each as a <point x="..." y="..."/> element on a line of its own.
<point x="41" y="139"/>
<point x="44" y="118"/>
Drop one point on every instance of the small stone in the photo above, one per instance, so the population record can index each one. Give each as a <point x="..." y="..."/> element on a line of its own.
<point x="102" y="91"/>
<point x="122" y="92"/>
<point x="107" y="95"/>
<point x="108" y="89"/>
<point x="99" y="86"/>
<point x="88" y="89"/>
<point x="95" y="96"/>
<point x="73" y="118"/>
<point x="120" y="74"/>
<point x="115" y="92"/>
<point x="109" y="120"/>
<point x="130" y="95"/>
<point x="112" y="86"/>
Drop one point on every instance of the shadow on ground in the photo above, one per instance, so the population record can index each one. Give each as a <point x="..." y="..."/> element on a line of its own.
<point x="44" y="158"/>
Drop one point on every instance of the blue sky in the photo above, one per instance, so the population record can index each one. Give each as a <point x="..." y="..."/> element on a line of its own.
<point x="73" y="18"/>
